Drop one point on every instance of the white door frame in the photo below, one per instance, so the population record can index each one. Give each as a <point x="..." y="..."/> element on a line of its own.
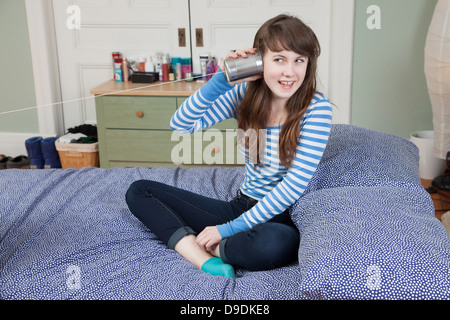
<point x="45" y="66"/>
<point x="46" y="75"/>
<point x="341" y="58"/>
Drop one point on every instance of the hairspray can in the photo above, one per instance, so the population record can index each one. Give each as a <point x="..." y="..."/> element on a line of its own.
<point x="240" y="68"/>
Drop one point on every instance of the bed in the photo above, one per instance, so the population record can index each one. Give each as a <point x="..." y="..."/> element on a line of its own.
<point x="367" y="228"/>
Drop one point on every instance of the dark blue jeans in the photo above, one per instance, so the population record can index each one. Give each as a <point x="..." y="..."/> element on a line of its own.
<point x="172" y="213"/>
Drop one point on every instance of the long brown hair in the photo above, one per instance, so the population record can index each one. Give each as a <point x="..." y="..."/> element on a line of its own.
<point x="282" y="32"/>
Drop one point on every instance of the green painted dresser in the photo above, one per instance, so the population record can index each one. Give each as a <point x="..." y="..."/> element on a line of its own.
<point x="133" y="128"/>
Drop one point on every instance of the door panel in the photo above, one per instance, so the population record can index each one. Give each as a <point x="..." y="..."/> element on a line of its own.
<point x="133" y="27"/>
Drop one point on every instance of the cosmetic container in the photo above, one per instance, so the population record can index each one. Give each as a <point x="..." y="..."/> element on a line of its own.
<point x="118" y="73"/>
<point x="165" y="71"/>
<point x="174" y="62"/>
<point x="186" y="66"/>
<point x="141" y="64"/>
<point x="210" y="68"/>
<point x="115" y="56"/>
<point x="179" y="73"/>
<point x="149" y="66"/>
<point x="125" y="70"/>
<point x="203" y="62"/>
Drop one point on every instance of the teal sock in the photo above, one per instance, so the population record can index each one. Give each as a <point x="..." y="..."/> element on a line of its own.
<point x="217" y="267"/>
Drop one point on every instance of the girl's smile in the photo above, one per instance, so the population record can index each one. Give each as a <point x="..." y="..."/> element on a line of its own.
<point x="287" y="84"/>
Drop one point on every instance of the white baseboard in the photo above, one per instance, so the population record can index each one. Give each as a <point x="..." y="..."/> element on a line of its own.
<point x="13" y="144"/>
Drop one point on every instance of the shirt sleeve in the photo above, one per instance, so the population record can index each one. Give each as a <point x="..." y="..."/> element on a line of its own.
<point x="216" y="101"/>
<point x="313" y="140"/>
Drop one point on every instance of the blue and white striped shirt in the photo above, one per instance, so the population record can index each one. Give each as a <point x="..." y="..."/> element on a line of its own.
<point x="275" y="187"/>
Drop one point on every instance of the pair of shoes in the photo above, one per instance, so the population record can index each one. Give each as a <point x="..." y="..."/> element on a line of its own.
<point x="51" y="155"/>
<point x="19" y="162"/>
<point x="33" y="146"/>
<point x="217" y="267"/>
<point x="442" y="182"/>
<point x="3" y="161"/>
<point x="42" y="153"/>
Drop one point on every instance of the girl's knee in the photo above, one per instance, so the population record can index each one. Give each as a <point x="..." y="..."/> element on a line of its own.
<point x="140" y="187"/>
<point x="266" y="246"/>
<point x="140" y="200"/>
<point x="280" y="246"/>
<point x="137" y="190"/>
<point x="134" y="189"/>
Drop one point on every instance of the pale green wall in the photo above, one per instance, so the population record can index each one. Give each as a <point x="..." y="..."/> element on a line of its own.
<point x="16" y="80"/>
<point x="389" y="91"/>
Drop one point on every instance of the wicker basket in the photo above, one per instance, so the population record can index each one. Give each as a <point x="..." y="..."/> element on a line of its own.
<point x="78" y="155"/>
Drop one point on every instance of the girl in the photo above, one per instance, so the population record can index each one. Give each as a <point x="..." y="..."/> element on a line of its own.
<point x="254" y="230"/>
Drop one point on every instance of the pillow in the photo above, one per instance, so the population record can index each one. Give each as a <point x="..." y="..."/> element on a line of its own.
<point x="360" y="157"/>
<point x="372" y="243"/>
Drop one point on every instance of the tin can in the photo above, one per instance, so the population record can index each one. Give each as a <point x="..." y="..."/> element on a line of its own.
<point x="240" y="68"/>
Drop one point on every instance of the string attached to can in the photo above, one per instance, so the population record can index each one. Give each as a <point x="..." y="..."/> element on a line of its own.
<point x="100" y="95"/>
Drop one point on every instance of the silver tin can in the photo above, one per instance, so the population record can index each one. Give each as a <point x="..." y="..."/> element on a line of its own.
<point x="240" y="68"/>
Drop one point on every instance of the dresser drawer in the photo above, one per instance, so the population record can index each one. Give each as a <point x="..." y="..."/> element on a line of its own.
<point x="226" y="124"/>
<point x="139" y="145"/>
<point x="135" y="112"/>
<point x="211" y="147"/>
<point x="157" y="146"/>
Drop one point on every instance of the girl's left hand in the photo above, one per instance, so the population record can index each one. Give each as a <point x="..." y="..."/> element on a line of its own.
<point x="209" y="238"/>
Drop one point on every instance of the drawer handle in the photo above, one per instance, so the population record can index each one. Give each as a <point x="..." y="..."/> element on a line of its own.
<point x="139" y="114"/>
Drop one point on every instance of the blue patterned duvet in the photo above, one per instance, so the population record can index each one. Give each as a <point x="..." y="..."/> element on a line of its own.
<point x="367" y="230"/>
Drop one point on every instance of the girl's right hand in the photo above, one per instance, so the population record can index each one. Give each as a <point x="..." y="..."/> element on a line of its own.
<point x="240" y="53"/>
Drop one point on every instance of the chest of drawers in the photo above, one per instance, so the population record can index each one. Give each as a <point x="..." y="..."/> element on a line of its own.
<point x="133" y="129"/>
